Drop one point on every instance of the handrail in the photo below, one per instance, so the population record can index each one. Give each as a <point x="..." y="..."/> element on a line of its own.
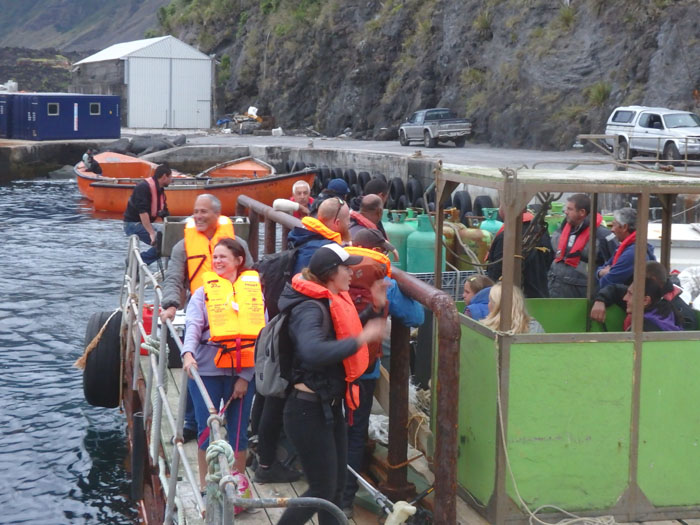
<point x="131" y="300"/>
<point x="449" y="332"/>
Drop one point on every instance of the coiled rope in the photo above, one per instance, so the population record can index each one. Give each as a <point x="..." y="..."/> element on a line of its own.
<point x="214" y="474"/>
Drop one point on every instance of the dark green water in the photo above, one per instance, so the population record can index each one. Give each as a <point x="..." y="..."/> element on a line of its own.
<point x="61" y="461"/>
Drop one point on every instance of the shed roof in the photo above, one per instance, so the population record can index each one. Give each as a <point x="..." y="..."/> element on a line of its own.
<point x="160" y="47"/>
<point x="583" y="180"/>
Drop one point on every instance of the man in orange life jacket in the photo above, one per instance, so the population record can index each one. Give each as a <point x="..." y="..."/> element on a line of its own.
<point x="619" y="269"/>
<point x="146" y="204"/>
<point x="190" y="258"/>
<point x="568" y="274"/>
<point x="331" y="225"/>
<point x="374" y="270"/>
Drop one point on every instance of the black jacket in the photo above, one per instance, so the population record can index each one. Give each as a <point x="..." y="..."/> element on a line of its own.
<point x="534" y="267"/>
<point x="318" y="355"/>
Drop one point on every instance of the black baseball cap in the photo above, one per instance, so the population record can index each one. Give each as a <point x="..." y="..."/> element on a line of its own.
<point x="329" y="256"/>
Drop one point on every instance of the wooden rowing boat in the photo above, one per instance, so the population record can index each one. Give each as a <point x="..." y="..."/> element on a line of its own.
<point x="120" y="174"/>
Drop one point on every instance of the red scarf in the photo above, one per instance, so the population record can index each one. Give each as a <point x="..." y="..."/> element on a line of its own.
<point x="574" y="256"/>
<point x="623" y="245"/>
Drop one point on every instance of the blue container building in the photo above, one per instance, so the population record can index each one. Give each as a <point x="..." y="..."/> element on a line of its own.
<point x="5" y="123"/>
<point x="61" y="116"/>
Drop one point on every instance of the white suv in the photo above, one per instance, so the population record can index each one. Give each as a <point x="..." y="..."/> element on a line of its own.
<point x="664" y="132"/>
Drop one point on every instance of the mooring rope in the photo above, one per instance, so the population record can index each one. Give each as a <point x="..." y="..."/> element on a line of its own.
<point x="80" y="362"/>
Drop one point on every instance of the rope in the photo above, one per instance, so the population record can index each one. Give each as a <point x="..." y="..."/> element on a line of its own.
<point x="573" y="518"/>
<point x="404" y="463"/>
<point x="214" y="473"/>
<point x="82" y="360"/>
<point x="151" y="345"/>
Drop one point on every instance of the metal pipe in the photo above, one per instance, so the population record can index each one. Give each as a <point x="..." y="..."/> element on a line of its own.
<point x="138" y="448"/>
<point x="270" y="236"/>
<point x="396" y="486"/>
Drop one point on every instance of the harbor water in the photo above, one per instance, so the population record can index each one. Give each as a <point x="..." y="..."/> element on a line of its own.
<point x="61" y="460"/>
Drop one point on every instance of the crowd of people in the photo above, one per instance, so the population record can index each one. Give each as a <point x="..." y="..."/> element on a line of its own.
<point x="338" y="298"/>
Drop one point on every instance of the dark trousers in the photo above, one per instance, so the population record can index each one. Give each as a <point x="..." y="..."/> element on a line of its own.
<point x="322" y="449"/>
<point x="269" y="427"/>
<point x="357" y="438"/>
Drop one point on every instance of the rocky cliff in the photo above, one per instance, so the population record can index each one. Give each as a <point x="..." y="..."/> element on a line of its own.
<point x="530" y="73"/>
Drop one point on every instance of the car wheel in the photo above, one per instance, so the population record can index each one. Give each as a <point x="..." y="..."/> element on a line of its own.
<point x="460" y="142"/>
<point x="402" y="138"/>
<point x="671" y="153"/>
<point x="622" y="155"/>
<point x="428" y="141"/>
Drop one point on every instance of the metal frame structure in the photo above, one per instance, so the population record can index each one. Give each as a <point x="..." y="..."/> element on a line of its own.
<point x="517" y="188"/>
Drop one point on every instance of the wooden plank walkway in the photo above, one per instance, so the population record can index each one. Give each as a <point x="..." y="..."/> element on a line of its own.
<point x="192" y="515"/>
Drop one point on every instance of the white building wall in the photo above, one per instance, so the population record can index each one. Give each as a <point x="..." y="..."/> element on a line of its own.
<point x="149" y="92"/>
<point x="191" y="93"/>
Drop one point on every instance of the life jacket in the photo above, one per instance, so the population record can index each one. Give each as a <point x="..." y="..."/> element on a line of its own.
<point x="527" y="217"/>
<point x="346" y="323"/>
<point x="362" y="220"/>
<point x="317" y="226"/>
<point x="623" y="245"/>
<point x="236" y="314"/>
<point x="199" y="249"/>
<point x="374" y="266"/>
<point x="157" y="204"/>
<point x="573" y="258"/>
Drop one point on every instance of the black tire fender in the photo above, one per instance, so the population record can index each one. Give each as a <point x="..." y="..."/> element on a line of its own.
<point x="379" y="175"/>
<point x="101" y="379"/>
<point x="414" y="190"/>
<point x="463" y="202"/>
<point x="350" y="176"/>
<point x="481" y="202"/>
<point x="402" y="203"/>
<point x="337" y="173"/>
<point x="363" y="178"/>
<point x="396" y="188"/>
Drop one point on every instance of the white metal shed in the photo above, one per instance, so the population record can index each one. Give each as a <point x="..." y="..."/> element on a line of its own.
<point x="169" y="83"/>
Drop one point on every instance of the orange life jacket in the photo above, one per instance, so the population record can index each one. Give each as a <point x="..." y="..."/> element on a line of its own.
<point x="317" y="226"/>
<point x="346" y="323"/>
<point x="156" y="203"/>
<point x="236" y="314"/>
<point x="374" y="266"/>
<point x="199" y="249"/>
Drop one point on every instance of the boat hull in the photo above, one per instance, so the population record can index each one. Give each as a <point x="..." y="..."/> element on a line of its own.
<point x="180" y="195"/>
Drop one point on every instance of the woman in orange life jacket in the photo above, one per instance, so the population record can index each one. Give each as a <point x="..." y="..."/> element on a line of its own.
<point x="329" y="353"/>
<point x="227" y="376"/>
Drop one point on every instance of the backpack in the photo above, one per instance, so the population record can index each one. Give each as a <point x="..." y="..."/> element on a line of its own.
<point x="275" y="271"/>
<point x="274" y="356"/>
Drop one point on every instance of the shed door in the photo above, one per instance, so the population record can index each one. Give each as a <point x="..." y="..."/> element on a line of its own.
<point x="191" y="100"/>
<point x="148" y="92"/>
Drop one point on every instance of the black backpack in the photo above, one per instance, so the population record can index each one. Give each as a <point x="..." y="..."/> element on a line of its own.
<point x="275" y="271"/>
<point x="274" y="355"/>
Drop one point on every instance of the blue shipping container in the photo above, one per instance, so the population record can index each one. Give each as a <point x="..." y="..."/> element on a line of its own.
<point x="63" y="116"/>
<point x="5" y="104"/>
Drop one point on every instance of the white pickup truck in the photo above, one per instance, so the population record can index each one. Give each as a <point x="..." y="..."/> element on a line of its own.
<point x="431" y="126"/>
<point x="641" y="130"/>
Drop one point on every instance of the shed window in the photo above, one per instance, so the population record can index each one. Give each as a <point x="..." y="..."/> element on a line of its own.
<point x="95" y="108"/>
<point x="52" y="109"/>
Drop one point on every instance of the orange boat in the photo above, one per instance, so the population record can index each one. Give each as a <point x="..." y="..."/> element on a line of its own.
<point x="120" y="174"/>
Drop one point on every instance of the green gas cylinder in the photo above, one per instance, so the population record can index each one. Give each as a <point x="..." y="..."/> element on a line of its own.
<point x="554" y="217"/>
<point x="491" y="224"/>
<point x="421" y="248"/>
<point x="398" y="232"/>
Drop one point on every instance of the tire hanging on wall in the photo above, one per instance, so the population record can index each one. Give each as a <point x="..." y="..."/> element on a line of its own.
<point x="363" y="178"/>
<point x="379" y="175"/>
<point x="350" y="176"/>
<point x="337" y="173"/>
<point x="463" y="202"/>
<point x="481" y="202"/>
<point x="396" y="188"/>
<point x="414" y="190"/>
<point x="402" y="203"/>
<point x="101" y="378"/>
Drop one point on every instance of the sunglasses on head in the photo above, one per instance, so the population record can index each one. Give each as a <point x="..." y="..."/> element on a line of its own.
<point x="341" y="203"/>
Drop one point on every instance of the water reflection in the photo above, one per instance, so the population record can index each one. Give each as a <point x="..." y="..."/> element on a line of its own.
<point x="61" y="461"/>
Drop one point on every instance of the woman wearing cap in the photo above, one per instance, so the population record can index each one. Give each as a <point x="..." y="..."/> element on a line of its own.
<point x="330" y="352"/>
